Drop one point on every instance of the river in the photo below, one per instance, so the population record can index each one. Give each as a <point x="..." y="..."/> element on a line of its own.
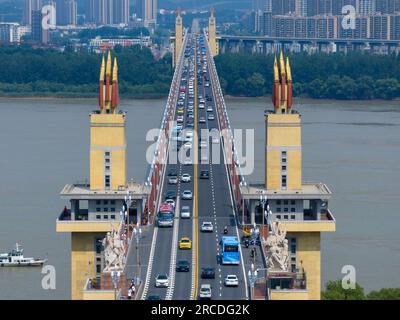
<point x="354" y="147"/>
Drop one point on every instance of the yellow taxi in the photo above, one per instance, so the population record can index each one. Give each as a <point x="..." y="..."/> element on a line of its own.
<point x="180" y="110"/>
<point x="185" y="243"/>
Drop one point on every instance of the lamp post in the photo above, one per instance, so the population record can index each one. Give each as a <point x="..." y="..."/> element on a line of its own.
<point x="263" y="201"/>
<point x="137" y="232"/>
<point x="115" y="276"/>
<point x="252" y="274"/>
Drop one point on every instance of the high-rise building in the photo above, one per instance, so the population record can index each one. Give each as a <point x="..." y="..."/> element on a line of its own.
<point x="30" y="5"/>
<point x="121" y="12"/>
<point x="138" y="9"/>
<point x="281" y="7"/>
<point x="301" y="8"/>
<point x="387" y="6"/>
<point x="367" y="7"/>
<point x="39" y="34"/>
<point x="9" y="33"/>
<point x="105" y="12"/>
<point x="150" y="13"/>
<point x="66" y="12"/>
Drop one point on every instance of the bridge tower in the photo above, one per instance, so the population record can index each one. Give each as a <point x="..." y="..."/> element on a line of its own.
<point x="178" y="36"/>
<point x="212" y="33"/>
<point x="301" y="207"/>
<point x="95" y="206"/>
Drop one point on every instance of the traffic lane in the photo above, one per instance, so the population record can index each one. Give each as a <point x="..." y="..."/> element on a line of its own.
<point x="208" y="242"/>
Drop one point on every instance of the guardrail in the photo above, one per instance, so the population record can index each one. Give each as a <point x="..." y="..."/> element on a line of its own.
<point x="157" y="167"/>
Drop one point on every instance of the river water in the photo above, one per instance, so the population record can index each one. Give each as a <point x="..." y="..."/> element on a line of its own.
<point x="354" y="147"/>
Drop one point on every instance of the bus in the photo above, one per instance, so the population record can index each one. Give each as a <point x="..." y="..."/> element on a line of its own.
<point x="230" y="250"/>
<point x="165" y="217"/>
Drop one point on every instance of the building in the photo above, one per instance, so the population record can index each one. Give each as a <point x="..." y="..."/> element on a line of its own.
<point x="30" y="5"/>
<point x="150" y="13"/>
<point x="367" y="7"/>
<point x="39" y="34"/>
<point x="94" y="207"/>
<point x="121" y="12"/>
<point x="139" y="9"/>
<point x="387" y="6"/>
<point x="300" y="207"/>
<point x="10" y="33"/>
<point x="108" y="12"/>
<point x="100" y="45"/>
<point x="66" y="12"/>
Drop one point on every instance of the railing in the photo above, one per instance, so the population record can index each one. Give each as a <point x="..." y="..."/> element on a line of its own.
<point x="231" y="156"/>
<point x="157" y="167"/>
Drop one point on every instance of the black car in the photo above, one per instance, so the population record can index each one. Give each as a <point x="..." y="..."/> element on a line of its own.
<point x="208" y="273"/>
<point x="182" y="266"/>
<point x="154" y="297"/>
<point x="204" y="174"/>
<point x="172" y="172"/>
<point x="170" y="195"/>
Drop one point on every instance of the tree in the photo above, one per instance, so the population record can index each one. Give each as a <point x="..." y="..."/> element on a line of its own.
<point x="255" y="85"/>
<point x="385" y="294"/>
<point x="335" y="291"/>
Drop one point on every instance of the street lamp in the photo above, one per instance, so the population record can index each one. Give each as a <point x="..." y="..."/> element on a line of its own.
<point x="263" y="201"/>
<point x="115" y="276"/>
<point x="252" y="274"/>
<point x="137" y="232"/>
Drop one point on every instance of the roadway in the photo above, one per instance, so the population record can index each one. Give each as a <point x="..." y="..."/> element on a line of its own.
<point x="212" y="202"/>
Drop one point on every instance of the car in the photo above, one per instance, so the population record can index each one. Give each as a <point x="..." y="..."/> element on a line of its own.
<point x="211" y="117"/>
<point x="204" y="174"/>
<point x="209" y="109"/>
<point x="185" y="212"/>
<point x="179" y="119"/>
<point x="185" y="243"/>
<point x="183" y="266"/>
<point x="208" y="273"/>
<point x="202" y="120"/>
<point x="170" y="195"/>
<point x="201" y="106"/>
<point x="207" y="226"/>
<point x="203" y="144"/>
<point x="186" y="177"/>
<point x="153" y="297"/>
<point x="172" y="172"/>
<point x="188" y="161"/>
<point x="190" y="125"/>
<point x="187" y="195"/>
<point x="231" y="280"/>
<point x="162" y="281"/>
<point x="205" y="291"/>
<point x="173" y="179"/>
<point x="180" y="111"/>
<point x="171" y="202"/>
<point x="202" y="101"/>
<point x="207" y="84"/>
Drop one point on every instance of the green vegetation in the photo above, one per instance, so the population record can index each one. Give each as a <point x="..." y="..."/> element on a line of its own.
<point x="322" y="76"/>
<point x="35" y="72"/>
<point x="335" y="291"/>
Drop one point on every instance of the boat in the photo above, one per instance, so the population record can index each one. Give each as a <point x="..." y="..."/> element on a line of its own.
<point x="15" y="258"/>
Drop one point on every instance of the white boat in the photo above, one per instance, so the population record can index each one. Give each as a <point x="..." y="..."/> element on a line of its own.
<point x="15" y="258"/>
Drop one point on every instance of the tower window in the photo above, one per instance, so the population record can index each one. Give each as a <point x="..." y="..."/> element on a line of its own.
<point x="107" y="153"/>
<point x="284" y="181"/>
<point x="107" y="181"/>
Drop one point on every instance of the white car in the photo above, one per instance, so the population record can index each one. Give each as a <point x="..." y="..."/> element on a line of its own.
<point x="209" y="109"/>
<point x="231" y="280"/>
<point x="211" y="117"/>
<point x="186" y="177"/>
<point x="171" y="202"/>
<point x="188" y="145"/>
<point x="179" y="119"/>
<point x="173" y="180"/>
<point x="185" y="212"/>
<point x="162" y="281"/>
<point x="187" y="195"/>
<point x="205" y="291"/>
<point x="207" y="226"/>
<point x="201" y="106"/>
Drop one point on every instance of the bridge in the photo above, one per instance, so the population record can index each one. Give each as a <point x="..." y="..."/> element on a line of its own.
<point x="195" y="179"/>
<point x="266" y="44"/>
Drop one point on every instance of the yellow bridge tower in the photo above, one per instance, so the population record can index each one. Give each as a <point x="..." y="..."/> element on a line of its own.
<point x="212" y="33"/>
<point x="178" y="37"/>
